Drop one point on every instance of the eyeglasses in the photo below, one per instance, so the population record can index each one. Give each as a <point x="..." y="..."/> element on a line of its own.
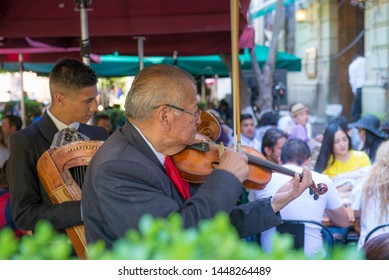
<point x="195" y="114"/>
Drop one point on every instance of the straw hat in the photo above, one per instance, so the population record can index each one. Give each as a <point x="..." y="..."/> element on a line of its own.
<point x="370" y="123"/>
<point x="298" y="108"/>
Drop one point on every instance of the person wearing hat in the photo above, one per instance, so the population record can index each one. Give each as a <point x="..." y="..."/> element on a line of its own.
<point x="370" y="134"/>
<point x="300" y="116"/>
<point x="286" y="122"/>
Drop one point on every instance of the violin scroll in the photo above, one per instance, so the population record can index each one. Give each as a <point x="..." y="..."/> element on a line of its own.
<point x="319" y="190"/>
<point x="316" y="191"/>
<point x="209" y="126"/>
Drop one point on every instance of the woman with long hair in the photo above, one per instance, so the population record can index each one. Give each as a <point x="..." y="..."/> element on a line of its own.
<point x="340" y="162"/>
<point x="371" y="203"/>
<point x="336" y="155"/>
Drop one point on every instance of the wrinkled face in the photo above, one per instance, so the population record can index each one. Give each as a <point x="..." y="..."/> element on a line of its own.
<point x="341" y="144"/>
<point x="80" y="106"/>
<point x="247" y="128"/>
<point x="301" y="118"/>
<point x="275" y="153"/>
<point x="185" y="123"/>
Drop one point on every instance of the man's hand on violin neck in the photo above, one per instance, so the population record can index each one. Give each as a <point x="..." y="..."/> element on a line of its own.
<point x="235" y="163"/>
<point x="304" y="183"/>
<point x="291" y="190"/>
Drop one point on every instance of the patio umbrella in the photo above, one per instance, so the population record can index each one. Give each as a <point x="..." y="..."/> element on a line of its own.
<point x="207" y="65"/>
<point x="189" y="27"/>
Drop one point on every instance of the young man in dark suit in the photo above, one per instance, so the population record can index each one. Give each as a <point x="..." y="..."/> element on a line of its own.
<point x="73" y="102"/>
<point x="127" y="177"/>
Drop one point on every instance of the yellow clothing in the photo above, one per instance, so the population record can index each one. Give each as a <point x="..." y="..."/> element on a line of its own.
<point x="357" y="160"/>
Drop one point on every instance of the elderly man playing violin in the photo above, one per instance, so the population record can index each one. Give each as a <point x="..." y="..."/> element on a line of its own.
<point x="131" y="174"/>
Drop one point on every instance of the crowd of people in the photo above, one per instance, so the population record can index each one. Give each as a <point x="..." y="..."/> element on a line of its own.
<point x="133" y="170"/>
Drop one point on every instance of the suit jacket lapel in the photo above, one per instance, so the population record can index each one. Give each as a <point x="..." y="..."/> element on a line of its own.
<point x="47" y="127"/>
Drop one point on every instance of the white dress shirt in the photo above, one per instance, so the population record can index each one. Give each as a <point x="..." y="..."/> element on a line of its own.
<point x="357" y="73"/>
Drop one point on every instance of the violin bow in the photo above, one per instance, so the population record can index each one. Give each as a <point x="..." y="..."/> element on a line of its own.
<point x="234" y="7"/>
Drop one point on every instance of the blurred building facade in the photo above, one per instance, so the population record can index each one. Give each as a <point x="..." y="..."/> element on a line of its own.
<point x="332" y="33"/>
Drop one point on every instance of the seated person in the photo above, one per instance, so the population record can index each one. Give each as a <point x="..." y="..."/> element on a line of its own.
<point x="295" y="154"/>
<point x="337" y="158"/>
<point x="247" y="129"/>
<point x="369" y="134"/>
<point x="272" y="143"/>
<point x="371" y="202"/>
<point x="336" y="155"/>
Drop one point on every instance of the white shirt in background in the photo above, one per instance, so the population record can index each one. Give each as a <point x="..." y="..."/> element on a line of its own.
<point x="357" y="73"/>
<point x="303" y="207"/>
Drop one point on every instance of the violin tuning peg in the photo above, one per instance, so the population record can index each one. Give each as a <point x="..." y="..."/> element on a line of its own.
<point x="315" y="196"/>
<point x="311" y="191"/>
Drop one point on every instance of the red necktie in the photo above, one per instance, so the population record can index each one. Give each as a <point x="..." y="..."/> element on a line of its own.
<point x="181" y="185"/>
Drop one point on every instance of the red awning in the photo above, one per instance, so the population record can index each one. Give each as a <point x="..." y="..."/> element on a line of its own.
<point x="190" y="27"/>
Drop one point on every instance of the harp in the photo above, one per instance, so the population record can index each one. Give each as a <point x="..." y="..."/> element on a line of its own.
<point x="61" y="171"/>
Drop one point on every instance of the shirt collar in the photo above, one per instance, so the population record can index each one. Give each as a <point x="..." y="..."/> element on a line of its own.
<point x="60" y="125"/>
<point x="160" y="156"/>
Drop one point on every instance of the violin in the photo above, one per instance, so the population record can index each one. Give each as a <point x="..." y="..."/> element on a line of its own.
<point x="198" y="161"/>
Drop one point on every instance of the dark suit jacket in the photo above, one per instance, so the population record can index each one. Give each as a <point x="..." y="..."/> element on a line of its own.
<point x="125" y="180"/>
<point x="30" y="202"/>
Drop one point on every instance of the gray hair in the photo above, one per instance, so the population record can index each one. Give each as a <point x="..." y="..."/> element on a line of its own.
<point x="153" y="86"/>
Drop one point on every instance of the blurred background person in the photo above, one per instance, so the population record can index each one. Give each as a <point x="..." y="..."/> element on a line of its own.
<point x="10" y="124"/>
<point x="272" y="143"/>
<point x="104" y="121"/>
<point x="295" y="154"/>
<point x="369" y="134"/>
<point x="226" y="112"/>
<point x="371" y="203"/>
<point x="357" y="77"/>
<point x="247" y="129"/>
<point x="336" y="155"/>
<point x="300" y="118"/>
<point x="267" y="121"/>
<point x="6" y="218"/>
<point x="286" y="122"/>
<point x="342" y="164"/>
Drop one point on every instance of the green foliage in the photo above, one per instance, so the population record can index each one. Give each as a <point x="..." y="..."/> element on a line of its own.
<point x="159" y="239"/>
<point x="215" y="239"/>
<point x="44" y="244"/>
<point x="165" y="239"/>
<point x="33" y="108"/>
